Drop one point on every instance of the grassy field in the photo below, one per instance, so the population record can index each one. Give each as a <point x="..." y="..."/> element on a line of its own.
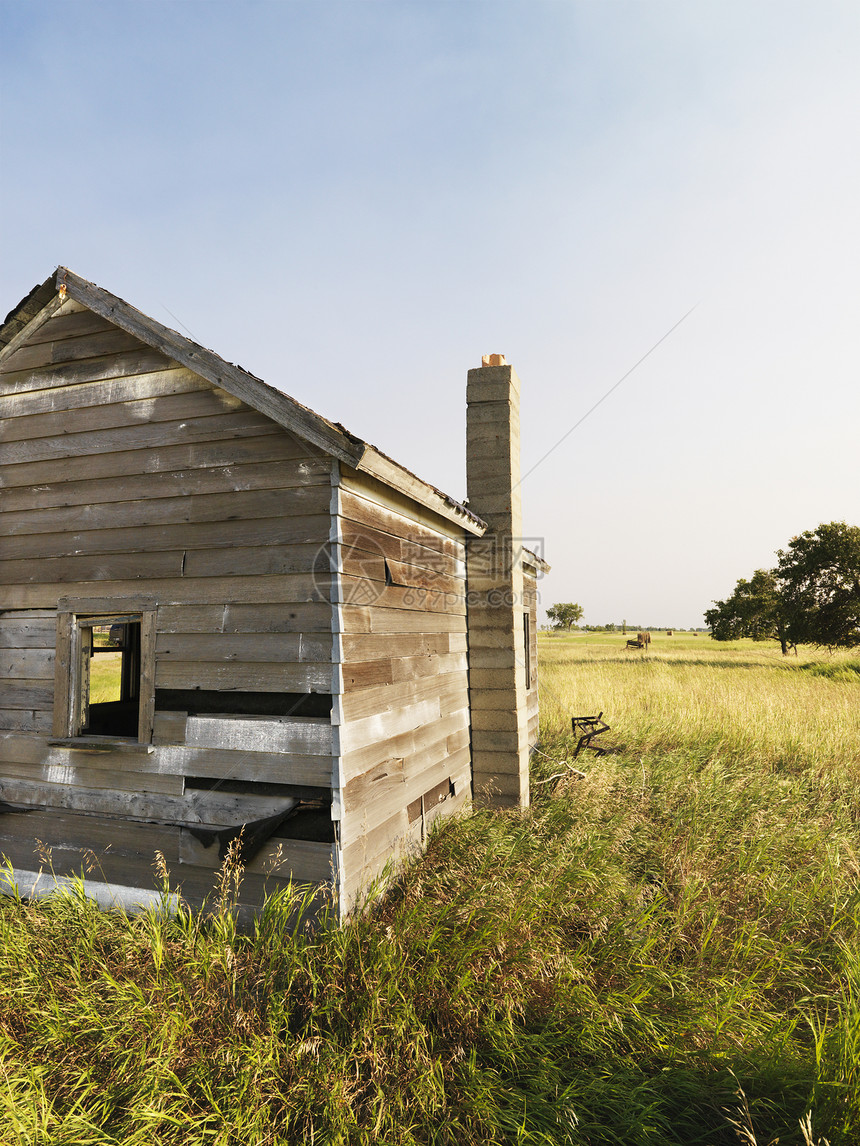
<point x="662" y="950"/>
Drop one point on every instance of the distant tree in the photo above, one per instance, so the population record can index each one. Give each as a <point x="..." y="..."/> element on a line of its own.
<point x="755" y="609"/>
<point x="812" y="597"/>
<point x="564" y="615"/>
<point x="819" y="580"/>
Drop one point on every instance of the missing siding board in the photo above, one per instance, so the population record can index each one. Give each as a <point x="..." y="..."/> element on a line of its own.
<point x="256" y="788"/>
<point x="200" y="702"/>
<point x="430" y="799"/>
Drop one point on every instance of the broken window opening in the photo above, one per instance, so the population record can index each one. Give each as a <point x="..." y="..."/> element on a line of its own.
<point x="109" y="676"/>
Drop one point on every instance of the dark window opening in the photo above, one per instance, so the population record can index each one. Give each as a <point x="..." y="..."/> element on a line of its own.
<point x="527" y="644"/>
<point x="203" y="702"/>
<point x="110" y="677"/>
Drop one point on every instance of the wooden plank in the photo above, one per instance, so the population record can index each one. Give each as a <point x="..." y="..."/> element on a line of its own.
<point x="172" y="467"/>
<point x="70" y="350"/>
<point x="109" y="391"/>
<point x="381" y="726"/>
<point x="142" y="360"/>
<point x="26" y="720"/>
<point x="304" y="861"/>
<point x="374" y="646"/>
<point x="76" y="830"/>
<point x="259" y="767"/>
<point x="77" y="775"/>
<point x="201" y="402"/>
<point x="307" y="736"/>
<point x="106" y="566"/>
<point x="364" y="859"/>
<point x="438" y="586"/>
<point x="304" y="535"/>
<point x="29" y="633"/>
<point x="286" y="475"/>
<point x="212" y="808"/>
<point x="37" y="664"/>
<point x="363" y="592"/>
<point x="361" y="619"/>
<point x="305" y="770"/>
<point x="24" y="616"/>
<point x="142" y="436"/>
<point x="235" y="505"/>
<point x="310" y="619"/>
<point x="16" y="748"/>
<point x="449" y="728"/>
<point x="296" y="588"/>
<point x="405" y="550"/>
<point x="370" y="801"/>
<point x="169" y="727"/>
<point x="195" y="884"/>
<point x="258" y="677"/>
<point x="146" y="715"/>
<point x="26" y="694"/>
<point x="366" y="674"/>
<point x="449" y="689"/>
<point x="69" y="325"/>
<point x="244" y="647"/>
<point x="405" y="521"/>
<point x="262" y="560"/>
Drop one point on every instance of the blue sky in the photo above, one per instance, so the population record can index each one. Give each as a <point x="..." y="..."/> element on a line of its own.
<point x="357" y="200"/>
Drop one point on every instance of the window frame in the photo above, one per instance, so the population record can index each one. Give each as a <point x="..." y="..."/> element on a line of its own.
<point x="71" y="678"/>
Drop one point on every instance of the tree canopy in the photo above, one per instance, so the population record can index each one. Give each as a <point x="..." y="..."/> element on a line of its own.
<point x="564" y="615"/>
<point x="755" y="609"/>
<point x="811" y="597"/>
<point x="819" y="578"/>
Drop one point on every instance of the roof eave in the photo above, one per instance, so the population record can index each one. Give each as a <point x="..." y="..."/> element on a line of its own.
<point x="384" y="469"/>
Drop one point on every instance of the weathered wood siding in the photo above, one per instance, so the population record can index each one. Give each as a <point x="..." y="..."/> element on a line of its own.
<point x="124" y="474"/>
<point x="403" y="713"/>
<point x="27" y="669"/>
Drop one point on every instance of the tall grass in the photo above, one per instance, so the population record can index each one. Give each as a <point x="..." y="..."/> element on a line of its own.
<point x="740" y="701"/>
<point x="664" y="951"/>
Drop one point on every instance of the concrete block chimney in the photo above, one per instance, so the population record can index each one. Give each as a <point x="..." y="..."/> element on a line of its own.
<point x="497" y="649"/>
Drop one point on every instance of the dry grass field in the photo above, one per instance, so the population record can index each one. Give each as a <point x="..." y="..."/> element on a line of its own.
<point x="738" y="701"/>
<point x="664" y="950"/>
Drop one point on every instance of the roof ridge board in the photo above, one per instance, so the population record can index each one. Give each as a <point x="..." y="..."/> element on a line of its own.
<point x="281" y="407"/>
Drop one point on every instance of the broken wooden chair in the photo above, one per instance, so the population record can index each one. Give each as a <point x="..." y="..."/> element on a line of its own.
<point x="589" y="727"/>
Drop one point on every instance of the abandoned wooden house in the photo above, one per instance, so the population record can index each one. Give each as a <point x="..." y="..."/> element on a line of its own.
<point x="294" y="636"/>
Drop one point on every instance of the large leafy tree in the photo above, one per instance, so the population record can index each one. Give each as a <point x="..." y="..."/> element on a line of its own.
<point x="819" y="582"/>
<point x="812" y="597"/>
<point x="564" y="615"/>
<point x="755" y="609"/>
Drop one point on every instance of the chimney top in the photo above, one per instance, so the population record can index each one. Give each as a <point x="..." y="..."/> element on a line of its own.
<point x="494" y="360"/>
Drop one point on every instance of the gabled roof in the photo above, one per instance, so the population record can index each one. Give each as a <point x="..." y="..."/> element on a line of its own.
<point x="44" y="300"/>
